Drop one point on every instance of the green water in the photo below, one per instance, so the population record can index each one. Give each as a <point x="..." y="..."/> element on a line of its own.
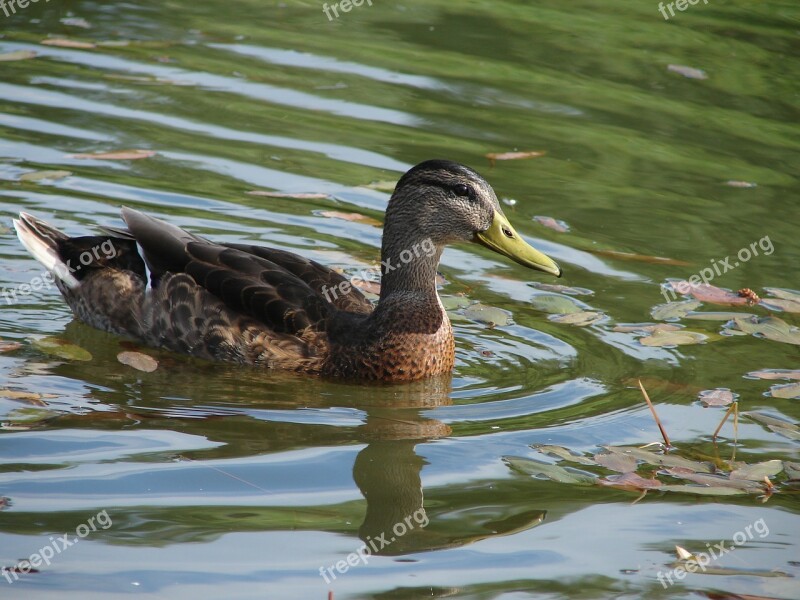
<point x="221" y="482"/>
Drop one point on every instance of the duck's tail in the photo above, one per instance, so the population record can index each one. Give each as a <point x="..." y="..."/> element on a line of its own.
<point x="102" y="277"/>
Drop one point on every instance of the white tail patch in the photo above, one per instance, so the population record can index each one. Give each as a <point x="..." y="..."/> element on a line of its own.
<point x="44" y="252"/>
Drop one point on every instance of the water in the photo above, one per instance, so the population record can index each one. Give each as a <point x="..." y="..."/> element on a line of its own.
<point x="219" y="481"/>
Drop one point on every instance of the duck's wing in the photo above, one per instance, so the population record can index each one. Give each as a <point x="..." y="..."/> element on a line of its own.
<point x="332" y="286"/>
<point x="248" y="283"/>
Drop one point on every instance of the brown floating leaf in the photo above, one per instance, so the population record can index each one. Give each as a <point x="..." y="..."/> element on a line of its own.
<point x="40" y="175"/>
<point x="645" y="327"/>
<point x="789" y="390"/>
<point x="740" y="184"/>
<point x="716" y="397"/>
<point x="118" y="155"/>
<point x="493" y="156"/>
<point x="659" y="260"/>
<point x="771" y="328"/>
<point x="631" y="481"/>
<point x="18" y="55"/>
<point x="302" y="196"/>
<point x="139" y="361"/>
<point x="705" y="292"/>
<point x="352" y="217"/>
<point x="9" y="346"/>
<point x="667" y="339"/>
<point x="775" y="374"/>
<point x="555" y="225"/>
<point x="689" y="72"/>
<point x="622" y="463"/>
<point x="64" y="43"/>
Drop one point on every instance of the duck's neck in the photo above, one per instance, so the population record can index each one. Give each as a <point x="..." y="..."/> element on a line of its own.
<point x="408" y="265"/>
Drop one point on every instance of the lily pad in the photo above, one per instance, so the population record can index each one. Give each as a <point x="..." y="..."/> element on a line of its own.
<point x="555" y="304"/>
<point x="672" y="311"/>
<point x="645" y="327"/>
<point x="118" y="155"/>
<point x="489" y="315"/>
<point x="792" y="470"/>
<point x="579" y="319"/>
<point x="454" y="302"/>
<point x="771" y="328"/>
<point x="775" y="374"/>
<point x="622" y="463"/>
<point x="552" y="472"/>
<point x="703" y="490"/>
<point x="786" y="294"/>
<point x="562" y="289"/>
<point x="789" y="390"/>
<point x="716" y="316"/>
<point x="631" y="480"/>
<point x="789" y="306"/>
<point x="661" y="460"/>
<point x="61" y="348"/>
<point x="662" y="339"/>
<point x="715" y="481"/>
<point x="565" y="454"/>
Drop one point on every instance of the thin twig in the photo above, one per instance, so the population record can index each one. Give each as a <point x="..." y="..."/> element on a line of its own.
<point x="655" y="415"/>
<point x="724" y="418"/>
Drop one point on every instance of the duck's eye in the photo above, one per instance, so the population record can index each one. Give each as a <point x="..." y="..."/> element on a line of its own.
<point x="461" y="189"/>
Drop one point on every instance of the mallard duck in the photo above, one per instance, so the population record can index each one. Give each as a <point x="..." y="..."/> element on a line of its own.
<point x="268" y="307"/>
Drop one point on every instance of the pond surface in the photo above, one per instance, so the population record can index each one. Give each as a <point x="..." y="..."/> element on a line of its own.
<point x="211" y="481"/>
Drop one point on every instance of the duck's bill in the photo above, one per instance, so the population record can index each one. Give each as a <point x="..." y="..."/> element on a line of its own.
<point x="503" y="239"/>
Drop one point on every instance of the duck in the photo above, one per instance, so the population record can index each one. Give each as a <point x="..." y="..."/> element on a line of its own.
<point x="267" y="307"/>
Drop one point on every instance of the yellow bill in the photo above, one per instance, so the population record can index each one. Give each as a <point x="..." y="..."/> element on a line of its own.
<point x="502" y="238"/>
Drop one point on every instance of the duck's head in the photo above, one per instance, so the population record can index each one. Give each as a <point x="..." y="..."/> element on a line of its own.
<point x="447" y="202"/>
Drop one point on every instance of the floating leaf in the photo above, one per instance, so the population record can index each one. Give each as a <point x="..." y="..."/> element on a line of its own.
<point x="489" y="315"/>
<point x="118" y="155"/>
<point x="562" y="289"/>
<point x="65" y="43"/>
<point x="661" y="460"/>
<point x="352" y="217"/>
<point x="775" y="374"/>
<point x="689" y="72"/>
<point x="61" y="348"/>
<point x="622" y="463"/>
<point x="789" y="390"/>
<point x="494" y="156"/>
<point x="548" y="471"/>
<point x="631" y="481"/>
<point x="9" y="346"/>
<point x="645" y="327"/>
<point x="716" y="397"/>
<point x="705" y="292"/>
<point x="666" y="339"/>
<point x="139" y="361"/>
<point x="658" y="260"/>
<point x="40" y="175"/>
<point x="703" y="490"/>
<point x="771" y="422"/>
<point x="551" y="223"/>
<point x="564" y="453"/>
<point x="716" y="316"/>
<point x="76" y="22"/>
<point x="30" y="397"/>
<point x="382" y="186"/>
<point x="579" y="319"/>
<point x="454" y="302"/>
<point x="758" y="471"/>
<point x="786" y="294"/>
<point x="672" y="311"/>
<point x="792" y="470"/>
<point x="740" y="184"/>
<point x="789" y="306"/>
<point x="301" y="196"/>
<point x="771" y="328"/>
<point x="715" y="481"/>
<point x="18" y="55"/>
<point x="683" y="553"/>
<point x="555" y="304"/>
